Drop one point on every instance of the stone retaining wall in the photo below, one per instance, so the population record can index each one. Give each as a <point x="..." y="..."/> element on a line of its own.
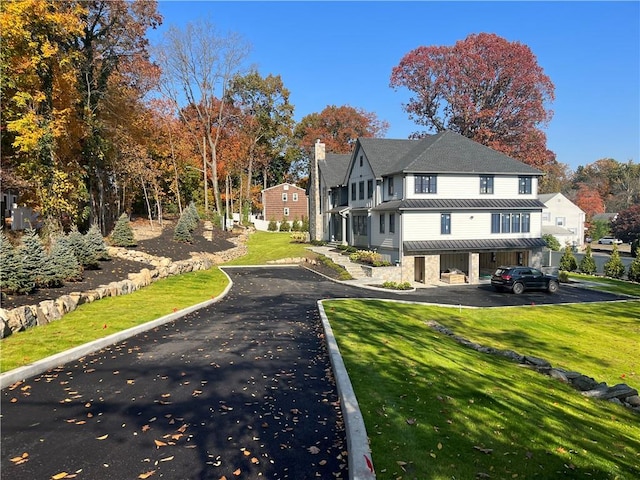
<point x="621" y="393"/>
<point x="28" y="316"/>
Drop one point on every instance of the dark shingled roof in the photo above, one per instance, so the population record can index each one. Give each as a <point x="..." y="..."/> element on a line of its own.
<point x="444" y="152"/>
<point x="461" y="204"/>
<point x="334" y="168"/>
<point x="425" y="246"/>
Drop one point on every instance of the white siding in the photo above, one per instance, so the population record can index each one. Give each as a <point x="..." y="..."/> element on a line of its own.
<point x="468" y="186"/>
<point x="361" y="173"/>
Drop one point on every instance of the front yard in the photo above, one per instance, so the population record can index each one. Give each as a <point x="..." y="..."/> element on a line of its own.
<point x="437" y="410"/>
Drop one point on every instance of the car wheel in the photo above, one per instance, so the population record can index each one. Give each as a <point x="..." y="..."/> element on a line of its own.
<point x="518" y="288"/>
<point x="552" y="287"/>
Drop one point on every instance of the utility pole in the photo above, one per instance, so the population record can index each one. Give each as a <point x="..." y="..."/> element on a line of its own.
<point x="315" y="218"/>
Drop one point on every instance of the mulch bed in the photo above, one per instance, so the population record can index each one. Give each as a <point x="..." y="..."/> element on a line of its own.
<point x="117" y="269"/>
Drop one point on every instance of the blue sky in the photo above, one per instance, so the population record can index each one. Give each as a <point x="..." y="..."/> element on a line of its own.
<point x="342" y="53"/>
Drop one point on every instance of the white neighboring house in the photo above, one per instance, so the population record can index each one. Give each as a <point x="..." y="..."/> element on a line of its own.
<point x="563" y="219"/>
<point x="442" y="203"/>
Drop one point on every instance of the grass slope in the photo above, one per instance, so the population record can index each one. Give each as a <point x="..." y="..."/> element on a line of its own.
<point x="437" y="410"/>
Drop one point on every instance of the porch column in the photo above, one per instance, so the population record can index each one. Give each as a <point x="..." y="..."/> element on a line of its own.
<point x="474" y="268"/>
<point x="344" y="229"/>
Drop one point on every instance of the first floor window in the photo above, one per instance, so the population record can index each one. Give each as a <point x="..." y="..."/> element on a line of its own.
<point x="382" y="220"/>
<point x="495" y="223"/>
<point x="392" y="223"/>
<point x="445" y="223"/>
<point x="286" y="212"/>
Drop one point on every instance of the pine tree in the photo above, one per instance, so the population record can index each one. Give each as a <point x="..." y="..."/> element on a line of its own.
<point x="192" y="216"/>
<point x="295" y="226"/>
<point x="614" y="268"/>
<point x="634" y="269"/>
<point x="588" y="264"/>
<point x="34" y="259"/>
<point x="95" y="243"/>
<point x="182" y="232"/>
<point x="82" y="250"/>
<point x="568" y="261"/>
<point x="273" y="226"/>
<point x="285" y="226"/>
<point x="65" y="262"/>
<point x="122" y="234"/>
<point x="11" y="278"/>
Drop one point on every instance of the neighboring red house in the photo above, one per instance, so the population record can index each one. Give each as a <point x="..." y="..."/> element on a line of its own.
<point x="285" y="201"/>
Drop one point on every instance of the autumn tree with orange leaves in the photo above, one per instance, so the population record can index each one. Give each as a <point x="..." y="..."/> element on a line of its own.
<point x="484" y="87"/>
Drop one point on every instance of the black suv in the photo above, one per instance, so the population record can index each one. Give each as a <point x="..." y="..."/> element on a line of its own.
<point x="519" y="279"/>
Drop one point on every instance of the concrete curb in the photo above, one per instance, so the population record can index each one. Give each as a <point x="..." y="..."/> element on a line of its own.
<point x="41" y="366"/>
<point x="360" y="462"/>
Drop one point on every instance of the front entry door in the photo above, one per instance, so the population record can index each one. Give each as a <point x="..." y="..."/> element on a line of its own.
<point x="418" y="268"/>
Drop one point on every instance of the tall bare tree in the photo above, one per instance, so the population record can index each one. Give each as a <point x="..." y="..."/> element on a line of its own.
<point x="198" y="65"/>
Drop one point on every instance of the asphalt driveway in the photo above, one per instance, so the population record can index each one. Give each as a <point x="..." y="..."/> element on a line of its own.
<point x="240" y="389"/>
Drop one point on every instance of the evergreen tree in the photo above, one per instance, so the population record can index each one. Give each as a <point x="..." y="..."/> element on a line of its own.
<point x="284" y="225"/>
<point x="568" y="261"/>
<point x="62" y="257"/>
<point x="614" y="268"/>
<point x="588" y="264"/>
<point x="305" y="224"/>
<point x="551" y="241"/>
<point x="95" y="243"/>
<point x="34" y="259"/>
<point x="82" y="250"/>
<point x="634" y="269"/>
<point x="122" y="234"/>
<point x="295" y="226"/>
<point x="273" y="226"/>
<point x="192" y="216"/>
<point x="182" y="232"/>
<point x="11" y="278"/>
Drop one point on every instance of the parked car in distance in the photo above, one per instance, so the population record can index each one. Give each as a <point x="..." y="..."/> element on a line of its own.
<point x="518" y="279"/>
<point x="609" y="241"/>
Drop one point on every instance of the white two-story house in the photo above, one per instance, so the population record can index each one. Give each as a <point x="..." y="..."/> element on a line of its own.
<point x="442" y="203"/>
<point x="563" y="219"/>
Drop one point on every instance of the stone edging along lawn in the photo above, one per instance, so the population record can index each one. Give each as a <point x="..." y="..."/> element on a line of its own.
<point x="621" y="393"/>
<point x="29" y="316"/>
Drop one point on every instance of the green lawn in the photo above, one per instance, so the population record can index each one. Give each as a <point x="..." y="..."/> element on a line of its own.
<point x="437" y="410"/>
<point x="109" y="315"/>
<point x="266" y="246"/>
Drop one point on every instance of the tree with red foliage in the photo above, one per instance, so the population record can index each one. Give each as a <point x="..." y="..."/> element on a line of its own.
<point x="484" y="87"/>
<point x="338" y="128"/>
<point x="626" y="226"/>
<point x="589" y="201"/>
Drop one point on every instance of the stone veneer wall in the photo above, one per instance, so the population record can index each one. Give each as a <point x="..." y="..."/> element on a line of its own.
<point x="28" y="316"/>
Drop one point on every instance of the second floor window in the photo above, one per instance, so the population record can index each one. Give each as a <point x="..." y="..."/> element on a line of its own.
<point x="510" y="222"/>
<point x="353" y="191"/>
<point x="445" y="223"/>
<point x="284" y="197"/>
<point x="295" y="197"/>
<point x="486" y="184"/>
<point x="426" y="184"/>
<point x="361" y="190"/>
<point x="524" y="185"/>
<point x="369" y="188"/>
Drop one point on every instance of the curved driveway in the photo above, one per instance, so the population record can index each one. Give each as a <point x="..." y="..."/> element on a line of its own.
<point x="239" y="389"/>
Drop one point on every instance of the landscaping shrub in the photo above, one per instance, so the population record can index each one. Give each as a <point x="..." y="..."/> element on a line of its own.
<point x="12" y="279"/>
<point x="318" y="243"/>
<point x="298" y="237"/>
<point x="563" y="276"/>
<point x="397" y="286"/>
<point x="122" y="235"/>
<point x="369" y="257"/>
<point x="84" y="252"/>
<point x="614" y="268"/>
<point x="551" y="241"/>
<point x="304" y="227"/>
<point x="34" y="260"/>
<point x="296" y="225"/>
<point x="273" y="226"/>
<point x="95" y="243"/>
<point x="182" y="230"/>
<point x="64" y="260"/>
<point x="634" y="269"/>
<point x="568" y="261"/>
<point x="285" y="226"/>
<point x="588" y="264"/>
<point x="635" y="245"/>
